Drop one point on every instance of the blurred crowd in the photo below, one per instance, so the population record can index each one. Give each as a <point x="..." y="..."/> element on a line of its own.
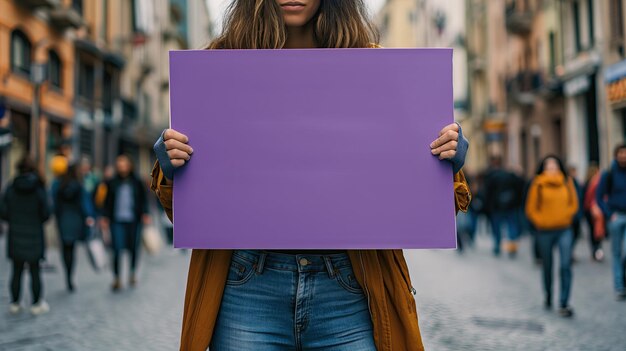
<point x="109" y="213"/>
<point x="557" y="211"/>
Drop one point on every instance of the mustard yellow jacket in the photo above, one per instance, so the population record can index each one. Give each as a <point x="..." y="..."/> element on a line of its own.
<point x="552" y="202"/>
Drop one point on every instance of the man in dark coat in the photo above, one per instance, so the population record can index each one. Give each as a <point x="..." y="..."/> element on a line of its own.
<point x="25" y="207"/>
<point x="125" y="210"/>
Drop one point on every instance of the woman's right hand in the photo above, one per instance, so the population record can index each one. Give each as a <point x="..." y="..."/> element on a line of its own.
<point x="177" y="147"/>
<point x="178" y="150"/>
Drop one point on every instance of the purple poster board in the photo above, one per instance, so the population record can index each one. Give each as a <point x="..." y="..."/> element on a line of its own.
<point x="313" y="149"/>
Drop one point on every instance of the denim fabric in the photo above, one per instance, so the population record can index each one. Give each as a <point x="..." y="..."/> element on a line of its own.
<point x="125" y="236"/>
<point x="275" y="302"/>
<point x="499" y="218"/>
<point x="617" y="232"/>
<point x="546" y="241"/>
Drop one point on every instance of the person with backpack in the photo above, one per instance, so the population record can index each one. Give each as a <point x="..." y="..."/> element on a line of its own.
<point x="551" y="205"/>
<point x="24" y="206"/>
<point x="74" y="214"/>
<point x="503" y="199"/>
<point x="611" y="197"/>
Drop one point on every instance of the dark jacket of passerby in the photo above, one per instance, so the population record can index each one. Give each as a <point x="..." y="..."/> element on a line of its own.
<point x="140" y="206"/>
<point x="611" y="193"/>
<point x="71" y="208"/>
<point x="25" y="207"/>
<point x="503" y="190"/>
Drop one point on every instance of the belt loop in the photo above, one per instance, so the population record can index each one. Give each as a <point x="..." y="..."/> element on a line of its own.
<point x="329" y="267"/>
<point x="261" y="263"/>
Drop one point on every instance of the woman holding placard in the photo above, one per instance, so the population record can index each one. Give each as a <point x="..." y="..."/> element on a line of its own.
<point x="283" y="300"/>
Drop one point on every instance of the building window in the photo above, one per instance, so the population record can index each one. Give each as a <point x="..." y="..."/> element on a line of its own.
<point x="20" y="52"/>
<point x="78" y="6"/>
<point x="617" y="25"/>
<point x="552" y="43"/>
<point x="86" y="80"/>
<point x="107" y="91"/>
<point x="576" y="17"/>
<point x="591" y="23"/>
<point x="55" y="69"/>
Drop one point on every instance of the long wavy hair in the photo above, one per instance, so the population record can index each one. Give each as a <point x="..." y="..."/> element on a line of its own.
<point x="258" y="24"/>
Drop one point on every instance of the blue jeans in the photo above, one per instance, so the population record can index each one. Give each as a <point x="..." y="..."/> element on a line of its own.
<point x="125" y="236"/>
<point x="498" y="219"/>
<point x="275" y="302"/>
<point x="546" y="241"/>
<point x="617" y="232"/>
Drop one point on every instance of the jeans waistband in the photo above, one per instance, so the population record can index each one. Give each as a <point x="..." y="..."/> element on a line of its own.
<point x="296" y="263"/>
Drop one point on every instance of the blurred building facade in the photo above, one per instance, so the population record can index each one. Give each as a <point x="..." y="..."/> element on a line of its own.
<point x="538" y="77"/>
<point x="94" y="74"/>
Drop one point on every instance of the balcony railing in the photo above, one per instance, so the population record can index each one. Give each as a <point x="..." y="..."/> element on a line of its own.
<point x="518" y="21"/>
<point x="65" y="18"/>
<point x="524" y="86"/>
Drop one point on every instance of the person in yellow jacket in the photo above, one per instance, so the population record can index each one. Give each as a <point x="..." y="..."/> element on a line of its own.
<point x="551" y="205"/>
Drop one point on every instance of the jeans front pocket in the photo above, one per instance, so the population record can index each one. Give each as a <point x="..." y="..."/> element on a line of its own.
<point x="345" y="278"/>
<point x="240" y="272"/>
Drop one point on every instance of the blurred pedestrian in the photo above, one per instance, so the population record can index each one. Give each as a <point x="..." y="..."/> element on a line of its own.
<point x="74" y="214"/>
<point x="572" y="172"/>
<point x="24" y="206"/>
<point x="551" y="206"/>
<point x="593" y="214"/>
<point x="125" y="210"/>
<point x="611" y="197"/>
<point x="503" y="200"/>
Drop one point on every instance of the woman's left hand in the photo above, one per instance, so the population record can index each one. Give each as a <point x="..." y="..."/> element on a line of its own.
<point x="446" y="145"/>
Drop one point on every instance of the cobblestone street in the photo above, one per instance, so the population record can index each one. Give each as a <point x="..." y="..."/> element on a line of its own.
<point x="471" y="301"/>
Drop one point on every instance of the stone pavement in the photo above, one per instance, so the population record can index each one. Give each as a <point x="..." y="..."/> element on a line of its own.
<point x="471" y="301"/>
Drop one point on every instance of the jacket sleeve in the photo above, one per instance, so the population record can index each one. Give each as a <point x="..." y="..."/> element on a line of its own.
<point x="107" y="210"/>
<point x="601" y="192"/>
<point x="87" y="204"/>
<point x="532" y="210"/>
<point x="462" y="193"/>
<point x="44" y="205"/>
<point x="145" y="209"/>
<point x="4" y="205"/>
<point x="458" y="161"/>
<point x="163" y="191"/>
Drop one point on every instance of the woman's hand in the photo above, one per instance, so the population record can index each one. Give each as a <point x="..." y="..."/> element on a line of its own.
<point x="451" y="146"/>
<point x="177" y="149"/>
<point x="446" y="145"/>
<point x="172" y="151"/>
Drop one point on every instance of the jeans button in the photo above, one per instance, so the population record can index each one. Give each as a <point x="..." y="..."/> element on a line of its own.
<point x="304" y="262"/>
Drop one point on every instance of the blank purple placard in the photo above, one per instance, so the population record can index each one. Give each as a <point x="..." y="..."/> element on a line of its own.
<point x="313" y="149"/>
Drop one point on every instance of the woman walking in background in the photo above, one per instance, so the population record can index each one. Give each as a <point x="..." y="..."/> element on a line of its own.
<point x="593" y="213"/>
<point x="24" y="206"/>
<point x="551" y="206"/>
<point x="73" y="211"/>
